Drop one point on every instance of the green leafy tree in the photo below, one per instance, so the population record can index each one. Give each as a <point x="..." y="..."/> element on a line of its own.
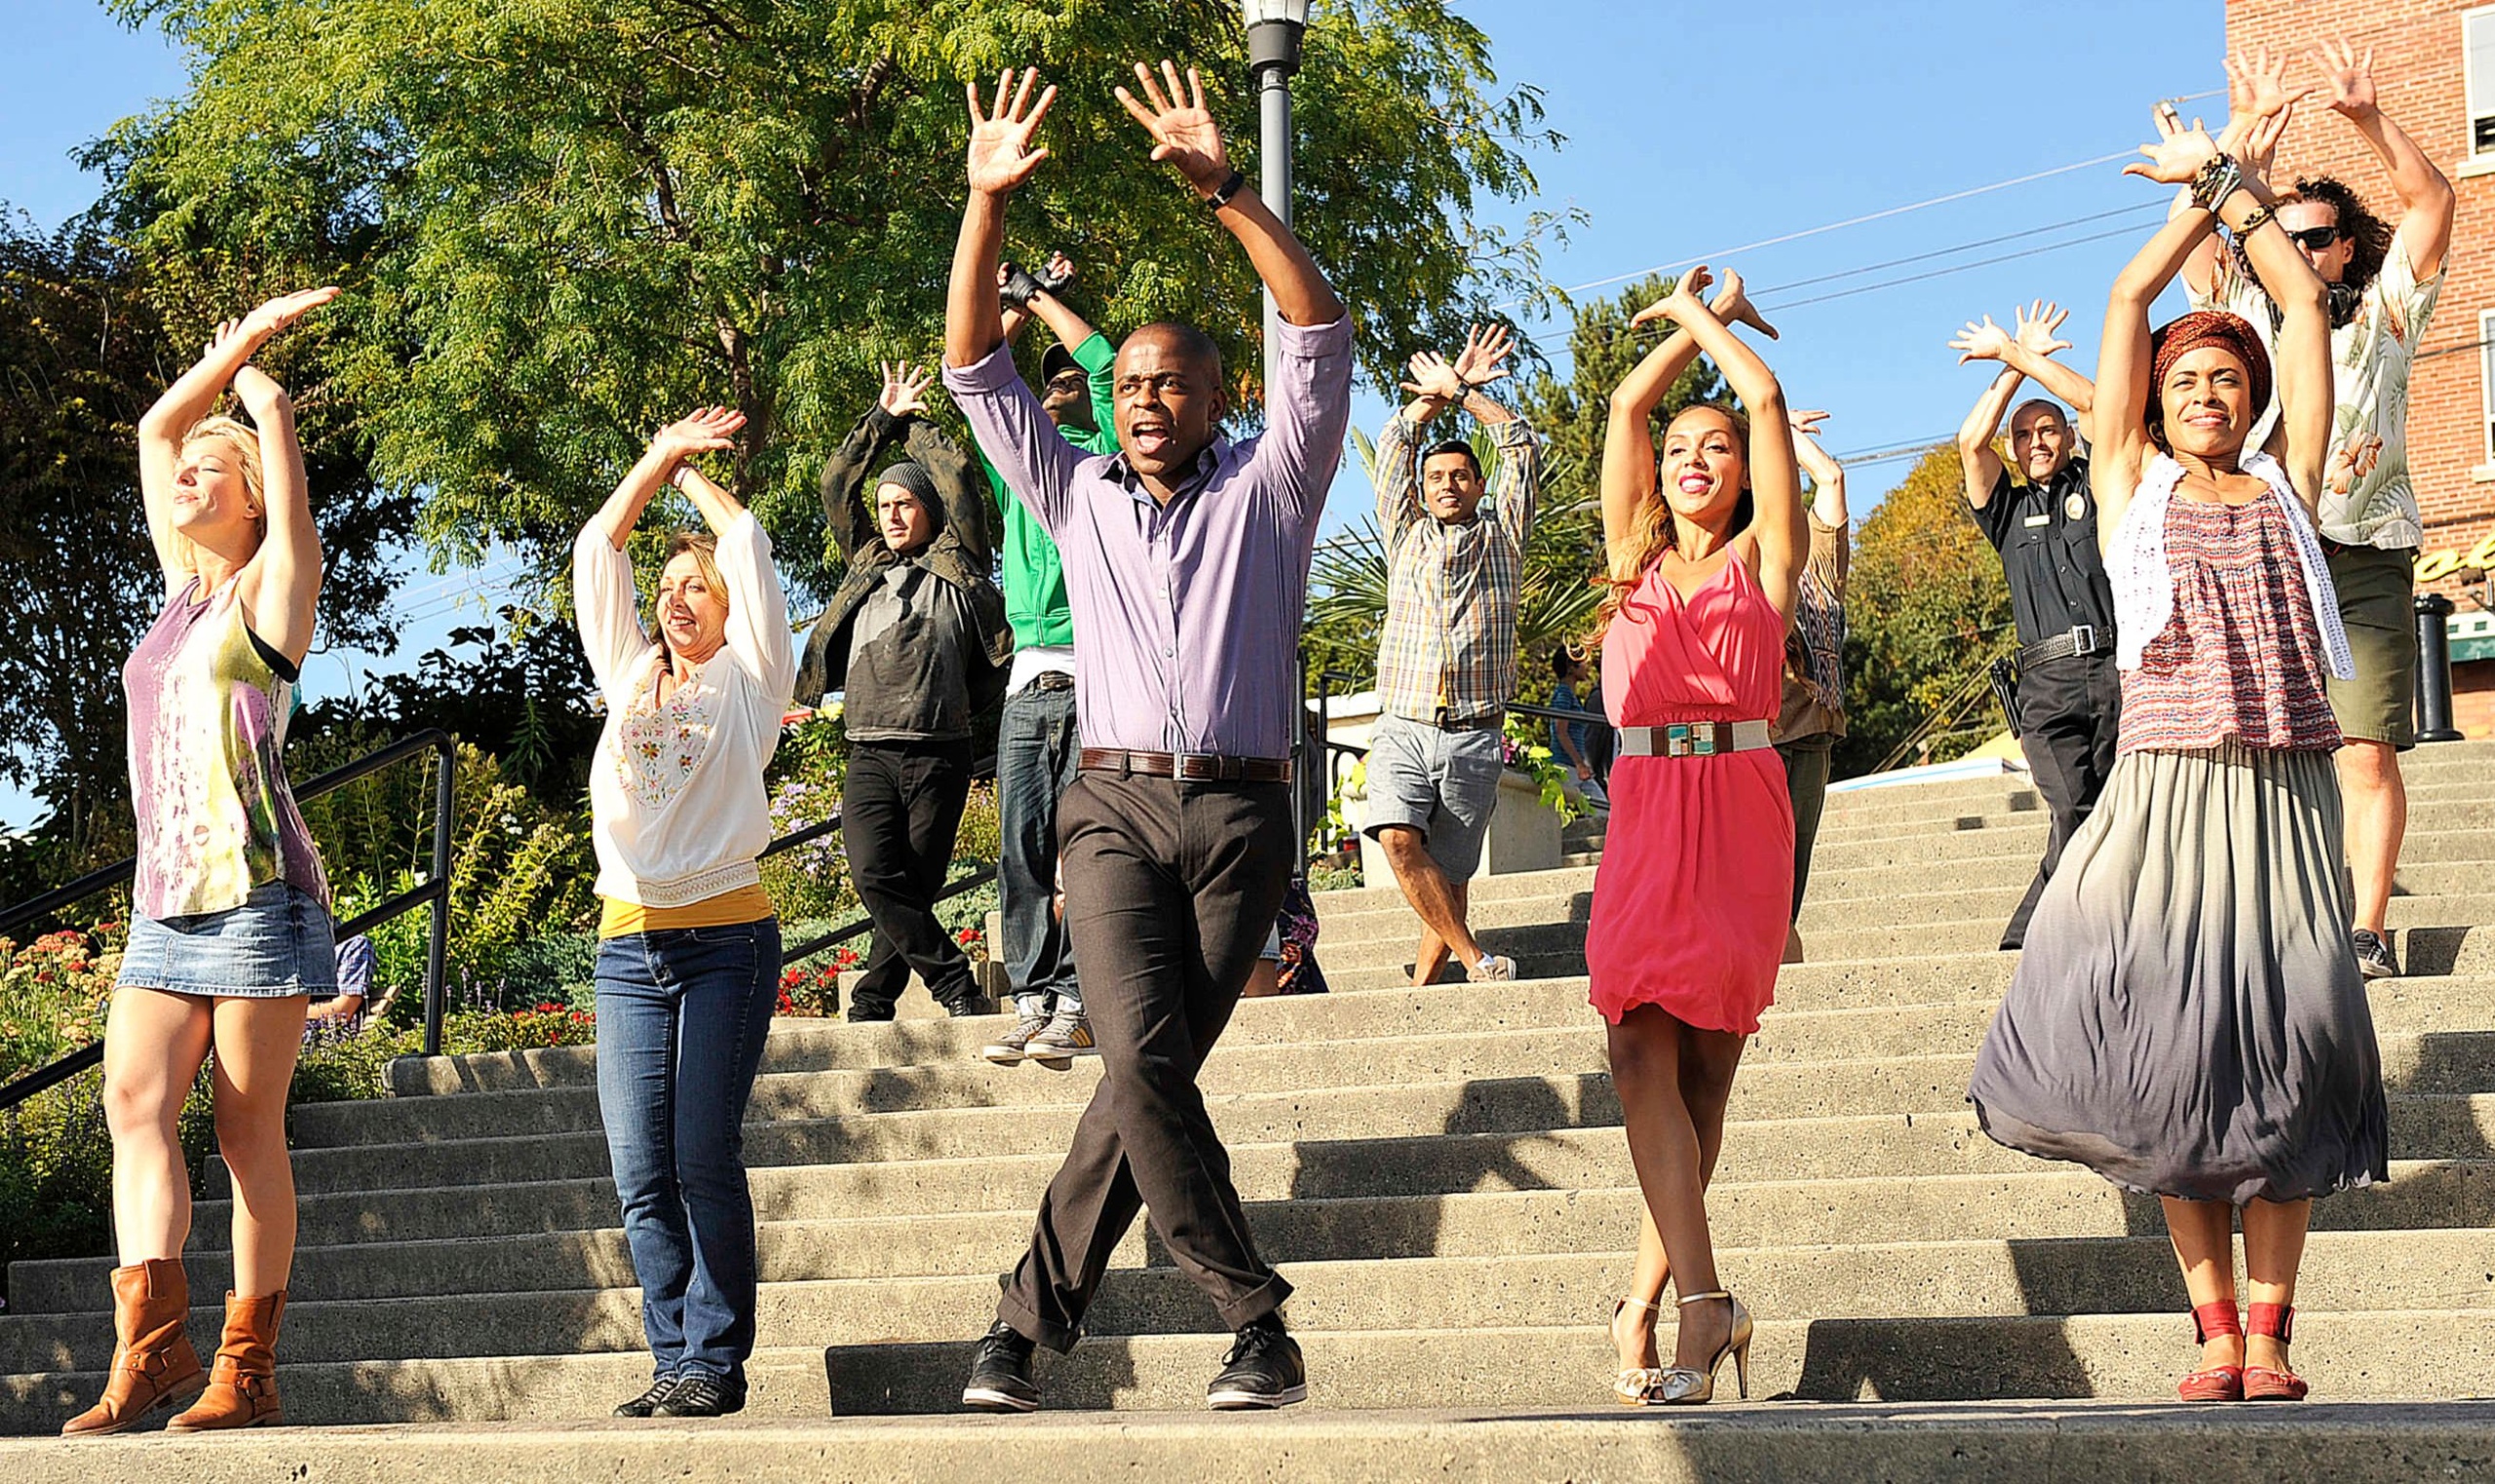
<point x="89" y="337"/>
<point x="1927" y="610"/>
<point x="562" y="223"/>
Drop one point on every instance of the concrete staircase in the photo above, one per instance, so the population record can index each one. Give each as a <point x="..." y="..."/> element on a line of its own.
<point x="1441" y="1173"/>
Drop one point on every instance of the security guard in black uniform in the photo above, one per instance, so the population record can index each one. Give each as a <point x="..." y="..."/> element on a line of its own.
<point x="2062" y="692"/>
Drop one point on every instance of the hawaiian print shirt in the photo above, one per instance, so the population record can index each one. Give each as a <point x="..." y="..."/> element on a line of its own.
<point x="2366" y="499"/>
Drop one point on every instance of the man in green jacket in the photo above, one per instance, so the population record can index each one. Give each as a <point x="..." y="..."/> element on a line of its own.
<point x="1036" y="742"/>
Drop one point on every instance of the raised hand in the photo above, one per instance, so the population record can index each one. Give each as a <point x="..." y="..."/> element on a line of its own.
<point x="1484" y="356"/>
<point x="1060" y="271"/>
<point x="1732" y="305"/>
<point x="2347" y="79"/>
<point x="905" y="389"/>
<point x="1183" y="131"/>
<point x="2178" y="153"/>
<point x="704" y="430"/>
<point x="1982" y="340"/>
<point x="1683" y="298"/>
<point x="2037" y="323"/>
<point x="1436" y="377"/>
<point x="283" y="310"/>
<point x="1001" y="156"/>
<point x="1806" y="420"/>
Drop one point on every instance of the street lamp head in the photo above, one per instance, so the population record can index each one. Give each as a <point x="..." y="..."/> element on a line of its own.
<point x="1274" y="29"/>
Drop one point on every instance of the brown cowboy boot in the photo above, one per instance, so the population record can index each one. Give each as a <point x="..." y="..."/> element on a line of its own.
<point x="242" y="1384"/>
<point x="153" y="1363"/>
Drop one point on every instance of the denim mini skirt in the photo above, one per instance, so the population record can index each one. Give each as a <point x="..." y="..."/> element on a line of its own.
<point x="277" y="943"/>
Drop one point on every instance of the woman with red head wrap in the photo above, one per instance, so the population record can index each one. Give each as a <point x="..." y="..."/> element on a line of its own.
<point x="2187" y="1019"/>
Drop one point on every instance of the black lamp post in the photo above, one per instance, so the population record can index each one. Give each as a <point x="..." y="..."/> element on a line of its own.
<point x="1274" y="32"/>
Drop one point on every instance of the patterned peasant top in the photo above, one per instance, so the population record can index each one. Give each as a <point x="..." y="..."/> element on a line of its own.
<point x="2241" y="660"/>
<point x="207" y="716"/>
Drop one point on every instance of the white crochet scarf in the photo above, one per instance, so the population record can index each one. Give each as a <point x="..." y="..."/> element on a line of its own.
<point x="2144" y="588"/>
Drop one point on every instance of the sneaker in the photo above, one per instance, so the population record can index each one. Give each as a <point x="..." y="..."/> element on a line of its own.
<point x="647" y="1402"/>
<point x="2373" y="954"/>
<point x="1068" y="1034"/>
<point x="1001" y="1373"/>
<point x="1014" y="1045"/>
<point x="699" y="1393"/>
<point x="1492" y="966"/>
<point x="1263" y="1371"/>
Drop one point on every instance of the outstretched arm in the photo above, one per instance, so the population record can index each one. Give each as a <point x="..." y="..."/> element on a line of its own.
<point x="1628" y="443"/>
<point x="193" y="394"/>
<point x="2257" y="102"/>
<point x="1828" y="476"/>
<point x="707" y="429"/>
<point x="847" y="503"/>
<point x="2427" y="202"/>
<point x="1782" y="535"/>
<point x="1184" y="136"/>
<point x="1978" y="459"/>
<point x="1001" y="158"/>
<point x="282" y="586"/>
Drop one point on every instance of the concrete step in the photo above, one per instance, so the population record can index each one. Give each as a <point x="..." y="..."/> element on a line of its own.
<point x="1801" y="1065"/>
<point x="2364" y="1443"/>
<point x="2025" y="1213"/>
<point x="1532" y="1288"/>
<point x="2416" y="878"/>
<point x="2430" y="936"/>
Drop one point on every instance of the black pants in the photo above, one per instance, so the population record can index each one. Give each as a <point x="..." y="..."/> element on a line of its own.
<point x="2069" y="711"/>
<point x="900" y="808"/>
<point x="1169" y="890"/>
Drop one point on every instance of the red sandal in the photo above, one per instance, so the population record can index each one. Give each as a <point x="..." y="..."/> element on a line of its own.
<point x="2277" y="1321"/>
<point x="2223" y="1382"/>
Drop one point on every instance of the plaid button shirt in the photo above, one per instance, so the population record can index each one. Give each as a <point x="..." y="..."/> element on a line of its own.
<point x="1449" y="640"/>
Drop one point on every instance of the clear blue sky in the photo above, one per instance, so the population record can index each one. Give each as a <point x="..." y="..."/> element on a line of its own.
<point x="1691" y="130"/>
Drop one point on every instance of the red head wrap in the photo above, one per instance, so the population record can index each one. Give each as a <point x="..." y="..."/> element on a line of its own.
<point x="2170" y="342"/>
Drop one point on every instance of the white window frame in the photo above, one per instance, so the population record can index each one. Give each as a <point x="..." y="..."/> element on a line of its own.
<point x="2486" y="383"/>
<point x="2478" y="108"/>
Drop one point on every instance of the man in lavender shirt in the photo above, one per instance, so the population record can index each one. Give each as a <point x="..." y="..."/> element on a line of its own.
<point x="1186" y="566"/>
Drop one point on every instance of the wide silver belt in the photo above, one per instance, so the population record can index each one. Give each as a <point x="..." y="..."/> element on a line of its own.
<point x="1693" y="739"/>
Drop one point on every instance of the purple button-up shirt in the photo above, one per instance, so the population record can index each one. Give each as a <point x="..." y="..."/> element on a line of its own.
<point x="1186" y="615"/>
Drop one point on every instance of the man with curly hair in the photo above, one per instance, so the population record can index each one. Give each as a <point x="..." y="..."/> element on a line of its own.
<point x="2383" y="279"/>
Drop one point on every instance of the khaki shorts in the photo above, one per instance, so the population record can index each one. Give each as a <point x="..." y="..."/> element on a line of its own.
<point x="2375" y="587"/>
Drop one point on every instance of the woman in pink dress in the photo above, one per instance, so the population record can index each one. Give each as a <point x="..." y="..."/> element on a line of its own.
<point x="1692" y="900"/>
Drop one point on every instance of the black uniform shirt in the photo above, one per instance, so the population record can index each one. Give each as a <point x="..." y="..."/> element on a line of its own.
<point x="2047" y="537"/>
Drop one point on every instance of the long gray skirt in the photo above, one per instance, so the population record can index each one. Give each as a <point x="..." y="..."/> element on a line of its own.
<point x="2187" y="1019"/>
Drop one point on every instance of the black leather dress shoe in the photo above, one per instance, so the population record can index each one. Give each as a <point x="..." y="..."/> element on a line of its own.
<point x="1263" y="1370"/>
<point x="1001" y="1373"/>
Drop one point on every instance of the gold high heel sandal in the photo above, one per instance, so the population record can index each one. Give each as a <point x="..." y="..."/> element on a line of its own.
<point x="1633" y="1382"/>
<point x="1679" y="1386"/>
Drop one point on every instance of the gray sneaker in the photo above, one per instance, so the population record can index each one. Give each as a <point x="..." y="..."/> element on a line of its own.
<point x="1014" y="1044"/>
<point x="1068" y="1034"/>
<point x="1493" y="965"/>
<point x="2373" y="954"/>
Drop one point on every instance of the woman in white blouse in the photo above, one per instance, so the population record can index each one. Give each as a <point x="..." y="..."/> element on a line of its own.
<point x="688" y="960"/>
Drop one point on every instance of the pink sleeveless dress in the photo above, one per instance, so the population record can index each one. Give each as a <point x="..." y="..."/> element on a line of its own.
<point x="1696" y="887"/>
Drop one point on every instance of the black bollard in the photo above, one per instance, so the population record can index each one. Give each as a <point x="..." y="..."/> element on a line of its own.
<point x="2435" y="669"/>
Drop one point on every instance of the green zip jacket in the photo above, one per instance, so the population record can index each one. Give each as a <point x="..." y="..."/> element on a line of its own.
<point x="1034" y="578"/>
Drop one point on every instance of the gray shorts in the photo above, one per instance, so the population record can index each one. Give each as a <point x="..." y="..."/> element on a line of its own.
<point x="1445" y="784"/>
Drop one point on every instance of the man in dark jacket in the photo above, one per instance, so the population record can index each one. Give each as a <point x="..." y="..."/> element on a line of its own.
<point x="917" y="643"/>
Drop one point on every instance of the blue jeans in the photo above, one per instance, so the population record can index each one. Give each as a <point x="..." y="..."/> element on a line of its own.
<point x="1036" y="752"/>
<point x="681" y="1018"/>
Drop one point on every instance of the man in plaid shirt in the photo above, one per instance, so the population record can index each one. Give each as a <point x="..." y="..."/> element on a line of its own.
<point x="1446" y="657"/>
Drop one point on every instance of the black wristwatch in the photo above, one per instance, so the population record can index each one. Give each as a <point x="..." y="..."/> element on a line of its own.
<point x="1229" y="188"/>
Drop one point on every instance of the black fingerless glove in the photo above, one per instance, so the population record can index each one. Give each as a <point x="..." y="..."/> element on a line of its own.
<point x="1019" y="287"/>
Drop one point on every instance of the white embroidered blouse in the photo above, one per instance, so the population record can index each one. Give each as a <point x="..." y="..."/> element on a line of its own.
<point x="676" y="805"/>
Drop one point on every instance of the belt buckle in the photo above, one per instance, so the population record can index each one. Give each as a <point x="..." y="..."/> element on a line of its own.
<point x="2083" y="638"/>
<point x="1676" y="739"/>
<point x="1703" y="738"/>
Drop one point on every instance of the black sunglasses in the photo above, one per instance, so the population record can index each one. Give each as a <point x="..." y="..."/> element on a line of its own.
<point x="2314" y="239"/>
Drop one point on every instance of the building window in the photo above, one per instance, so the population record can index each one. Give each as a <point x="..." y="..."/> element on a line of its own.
<point x="2477" y="45"/>
<point x="2487" y="379"/>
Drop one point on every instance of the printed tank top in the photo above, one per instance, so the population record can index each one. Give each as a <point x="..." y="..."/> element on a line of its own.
<point x="207" y="768"/>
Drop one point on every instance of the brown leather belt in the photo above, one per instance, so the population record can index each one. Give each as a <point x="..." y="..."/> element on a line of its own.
<point x="1193" y="767"/>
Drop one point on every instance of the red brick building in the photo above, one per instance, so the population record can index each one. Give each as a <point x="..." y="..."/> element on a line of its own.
<point x="2434" y="73"/>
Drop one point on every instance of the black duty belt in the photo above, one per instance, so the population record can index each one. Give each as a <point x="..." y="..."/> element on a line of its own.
<point x="1193" y="767"/>
<point x="1487" y="721"/>
<point x="2083" y="640"/>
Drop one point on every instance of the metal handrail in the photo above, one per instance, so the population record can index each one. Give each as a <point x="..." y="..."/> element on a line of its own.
<point x="984" y="768"/>
<point x="436" y="889"/>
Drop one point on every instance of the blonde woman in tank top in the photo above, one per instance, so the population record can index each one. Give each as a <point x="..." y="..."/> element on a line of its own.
<point x="229" y="924"/>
